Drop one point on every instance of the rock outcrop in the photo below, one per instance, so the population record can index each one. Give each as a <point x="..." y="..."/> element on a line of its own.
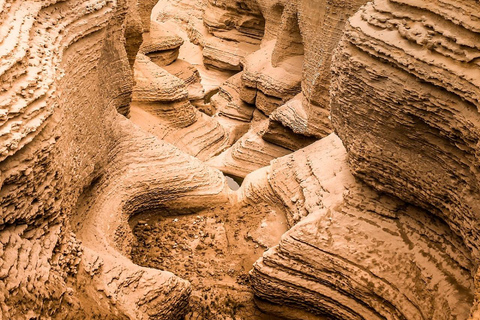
<point x="358" y="254"/>
<point x="237" y="28"/>
<point x="65" y="73"/>
<point x="267" y="86"/>
<point x="383" y="213"/>
<point x="250" y="152"/>
<point x="405" y="102"/>
<point x="278" y="76"/>
<point x="161" y="45"/>
<point x="228" y="103"/>
<point x="321" y="25"/>
<point x="303" y="34"/>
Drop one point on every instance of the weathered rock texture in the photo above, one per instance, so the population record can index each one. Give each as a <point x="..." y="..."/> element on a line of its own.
<point x="237" y="27"/>
<point x="288" y="78"/>
<point x="64" y="73"/>
<point x="250" y="152"/>
<point x="358" y="254"/>
<point x="161" y="45"/>
<point x="305" y="32"/>
<point x="321" y="25"/>
<point x="166" y="97"/>
<point x="405" y="102"/>
<point x="386" y="227"/>
<point x="283" y="50"/>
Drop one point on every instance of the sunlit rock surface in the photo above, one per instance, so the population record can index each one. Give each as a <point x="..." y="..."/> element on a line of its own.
<point x="65" y="73"/>
<point x="120" y="120"/>
<point x="409" y="73"/>
<point x="358" y="254"/>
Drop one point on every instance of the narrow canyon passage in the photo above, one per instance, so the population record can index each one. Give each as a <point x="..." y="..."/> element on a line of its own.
<point x="239" y="159"/>
<point x="239" y="117"/>
<point x="214" y="249"/>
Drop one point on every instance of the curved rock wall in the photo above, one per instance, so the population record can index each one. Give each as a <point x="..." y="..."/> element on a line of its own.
<point x="405" y="100"/>
<point x="321" y="24"/>
<point x="311" y="30"/>
<point x="405" y="103"/>
<point x="359" y="254"/>
<point x="410" y="74"/>
<point x="405" y="97"/>
<point x="286" y="77"/>
<point x="42" y="43"/>
<point x="64" y="74"/>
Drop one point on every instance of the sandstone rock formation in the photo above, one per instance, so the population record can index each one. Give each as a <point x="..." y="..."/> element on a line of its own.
<point x="359" y="254"/>
<point x="274" y="79"/>
<point x="64" y="73"/>
<point x="237" y="27"/>
<point x="161" y="45"/>
<point x="409" y="73"/>
<point x="113" y="111"/>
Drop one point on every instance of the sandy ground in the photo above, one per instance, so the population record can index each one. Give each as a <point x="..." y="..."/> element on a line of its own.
<point x="214" y="250"/>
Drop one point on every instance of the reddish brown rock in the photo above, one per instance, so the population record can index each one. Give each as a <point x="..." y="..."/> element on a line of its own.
<point x="227" y="101"/>
<point x="383" y="228"/>
<point x="359" y="254"/>
<point x="405" y="103"/>
<point x="65" y="73"/>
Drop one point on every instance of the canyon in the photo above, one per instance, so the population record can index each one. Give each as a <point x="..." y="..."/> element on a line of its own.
<point x="239" y="159"/>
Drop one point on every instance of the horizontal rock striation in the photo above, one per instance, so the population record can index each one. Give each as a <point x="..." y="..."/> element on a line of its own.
<point x="282" y="136"/>
<point x="162" y="107"/>
<point x="39" y="42"/>
<point x="275" y="76"/>
<point x="250" y="152"/>
<point x="405" y="102"/>
<point x="143" y="174"/>
<point x="299" y="39"/>
<point x="161" y="45"/>
<point x="426" y="97"/>
<point x="64" y="74"/>
<point x="267" y="86"/>
<point x="156" y="84"/>
<point x="228" y="103"/>
<point x="244" y="18"/>
<point x="299" y="117"/>
<point x="358" y="254"/>
<point x="237" y="28"/>
<point x="384" y="226"/>
<point x="321" y="25"/>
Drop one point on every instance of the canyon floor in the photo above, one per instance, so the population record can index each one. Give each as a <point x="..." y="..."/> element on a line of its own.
<point x="214" y="250"/>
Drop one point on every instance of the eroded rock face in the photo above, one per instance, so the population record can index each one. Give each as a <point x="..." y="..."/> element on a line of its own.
<point x="267" y="42"/>
<point x="426" y="97"/>
<point x="237" y="27"/>
<point x="161" y="45"/>
<point x="305" y="33"/>
<point x="358" y="254"/>
<point x="65" y="73"/>
<point x="321" y="25"/>
<point x="268" y="86"/>
<point x="244" y="87"/>
<point x="279" y="77"/>
<point x="405" y="103"/>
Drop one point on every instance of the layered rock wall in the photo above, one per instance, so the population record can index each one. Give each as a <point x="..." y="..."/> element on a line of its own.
<point x="415" y="86"/>
<point x="358" y="254"/>
<point x="405" y="99"/>
<point x="404" y="103"/>
<point x="64" y="75"/>
<point x="283" y="52"/>
<point x="39" y="189"/>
